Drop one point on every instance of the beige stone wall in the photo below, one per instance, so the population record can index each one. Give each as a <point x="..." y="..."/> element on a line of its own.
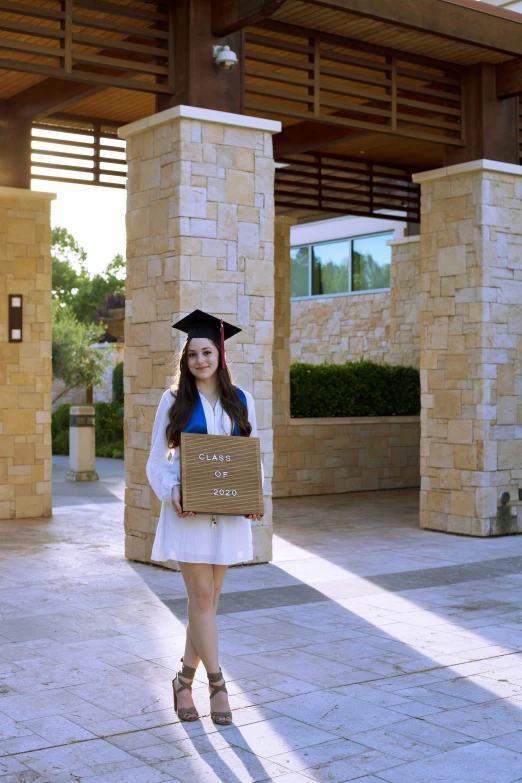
<point x="404" y="328"/>
<point x="340" y="329"/>
<point x="25" y="368"/>
<point x="323" y="456"/>
<point x="200" y="230"/>
<point x="382" y="326"/>
<point x="471" y="346"/>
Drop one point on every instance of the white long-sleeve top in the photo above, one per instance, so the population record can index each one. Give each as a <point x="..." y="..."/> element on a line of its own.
<point x="194" y="539"/>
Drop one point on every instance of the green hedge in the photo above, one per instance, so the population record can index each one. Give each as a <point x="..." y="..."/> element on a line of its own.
<point x="117" y="384"/>
<point x="361" y="388"/>
<point x="109" y="429"/>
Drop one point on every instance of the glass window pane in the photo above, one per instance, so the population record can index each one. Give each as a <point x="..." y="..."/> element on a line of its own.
<point x="299" y="272"/>
<point x="330" y="268"/>
<point x="371" y="259"/>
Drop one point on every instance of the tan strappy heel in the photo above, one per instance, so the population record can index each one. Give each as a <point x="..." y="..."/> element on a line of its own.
<point x="217" y="717"/>
<point x="188" y="673"/>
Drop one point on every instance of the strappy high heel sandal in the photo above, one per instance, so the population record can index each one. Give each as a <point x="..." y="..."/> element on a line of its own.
<point x="188" y="673"/>
<point x="218" y="717"/>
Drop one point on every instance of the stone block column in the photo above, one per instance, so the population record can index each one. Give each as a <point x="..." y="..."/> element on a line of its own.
<point x="471" y="347"/>
<point x="25" y="367"/>
<point x="404" y="328"/>
<point x="200" y="234"/>
<point x="281" y="351"/>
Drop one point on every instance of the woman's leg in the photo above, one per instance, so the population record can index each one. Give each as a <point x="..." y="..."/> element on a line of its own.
<point x="204" y="582"/>
<point x="191" y="656"/>
<point x="199" y="581"/>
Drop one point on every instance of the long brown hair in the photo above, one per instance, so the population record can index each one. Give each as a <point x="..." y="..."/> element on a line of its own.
<point x="185" y="393"/>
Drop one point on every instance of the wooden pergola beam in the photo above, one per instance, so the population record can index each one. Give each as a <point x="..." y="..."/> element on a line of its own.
<point x="509" y="79"/>
<point x="228" y="16"/>
<point x="468" y="21"/>
<point x="47" y="97"/>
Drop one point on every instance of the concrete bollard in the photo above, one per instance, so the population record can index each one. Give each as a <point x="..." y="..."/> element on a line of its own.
<point x="82" y="445"/>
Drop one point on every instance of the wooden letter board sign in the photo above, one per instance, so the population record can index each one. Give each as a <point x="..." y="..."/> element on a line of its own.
<point x="221" y="474"/>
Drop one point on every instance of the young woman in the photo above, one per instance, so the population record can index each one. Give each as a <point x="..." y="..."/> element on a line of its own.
<point x="202" y="400"/>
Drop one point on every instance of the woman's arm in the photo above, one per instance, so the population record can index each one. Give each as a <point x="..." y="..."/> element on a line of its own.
<point x="162" y="473"/>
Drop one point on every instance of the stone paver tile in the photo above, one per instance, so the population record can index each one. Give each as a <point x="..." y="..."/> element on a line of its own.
<point x="319" y="670"/>
<point x="391" y="742"/>
<point x="318" y="754"/>
<point x="134" y="740"/>
<point x="372" y="695"/>
<point x="128" y="695"/>
<point x="98" y="721"/>
<point x="278" y="735"/>
<point x="152" y="720"/>
<point x="23" y="744"/>
<point x="23" y="777"/>
<point x="9" y="728"/>
<point x="233" y="765"/>
<point x="480" y="763"/>
<point x="41" y="704"/>
<point x="141" y="774"/>
<point x="9" y="764"/>
<point x="334" y="712"/>
<point x="402" y="681"/>
<point x="481" y="721"/>
<point x="430" y="734"/>
<point x="415" y="709"/>
<point x="512" y="741"/>
<point x="352" y="767"/>
<point x="291" y="777"/>
<point x="81" y="758"/>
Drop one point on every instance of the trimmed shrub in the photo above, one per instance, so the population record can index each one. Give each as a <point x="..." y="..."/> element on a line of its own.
<point x="108" y="424"/>
<point x="117" y="384"/>
<point x="361" y="388"/>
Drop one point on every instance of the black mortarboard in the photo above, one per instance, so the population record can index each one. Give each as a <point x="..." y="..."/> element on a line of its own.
<point x="200" y="324"/>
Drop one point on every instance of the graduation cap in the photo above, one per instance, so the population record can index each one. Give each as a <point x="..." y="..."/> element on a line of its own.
<point x="200" y="324"/>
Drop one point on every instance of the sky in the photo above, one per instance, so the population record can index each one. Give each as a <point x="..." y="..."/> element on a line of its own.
<point x="95" y="216"/>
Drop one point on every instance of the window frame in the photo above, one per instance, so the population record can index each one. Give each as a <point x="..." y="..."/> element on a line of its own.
<point x="350" y="241"/>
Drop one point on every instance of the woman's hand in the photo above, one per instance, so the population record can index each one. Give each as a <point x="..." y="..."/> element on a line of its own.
<point x="254" y="517"/>
<point x="176" y="503"/>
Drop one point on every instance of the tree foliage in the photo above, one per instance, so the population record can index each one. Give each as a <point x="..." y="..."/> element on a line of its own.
<point x="75" y="361"/>
<point x="73" y="286"/>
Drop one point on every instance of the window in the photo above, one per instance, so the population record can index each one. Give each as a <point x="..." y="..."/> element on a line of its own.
<point x="341" y="267"/>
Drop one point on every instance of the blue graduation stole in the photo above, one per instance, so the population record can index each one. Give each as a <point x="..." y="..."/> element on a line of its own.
<point x="198" y="422"/>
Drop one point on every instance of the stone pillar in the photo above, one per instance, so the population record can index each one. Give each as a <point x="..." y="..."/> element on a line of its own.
<point x="82" y="444"/>
<point x="200" y="225"/>
<point x="25" y="367"/>
<point x="471" y="347"/>
<point x="281" y="350"/>
<point x="404" y="328"/>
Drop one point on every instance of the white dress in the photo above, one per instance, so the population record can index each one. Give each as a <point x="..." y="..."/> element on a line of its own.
<point x="194" y="539"/>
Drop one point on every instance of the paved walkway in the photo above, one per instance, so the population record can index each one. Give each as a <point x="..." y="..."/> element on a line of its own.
<point x="368" y="651"/>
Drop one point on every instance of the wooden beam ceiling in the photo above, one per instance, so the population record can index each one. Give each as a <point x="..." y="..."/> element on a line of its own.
<point x="228" y="16"/>
<point x="47" y="97"/>
<point x="467" y="21"/>
<point x="304" y="136"/>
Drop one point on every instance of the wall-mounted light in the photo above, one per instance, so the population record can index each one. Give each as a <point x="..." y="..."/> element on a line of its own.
<point x="224" y="57"/>
<point x="15" y="318"/>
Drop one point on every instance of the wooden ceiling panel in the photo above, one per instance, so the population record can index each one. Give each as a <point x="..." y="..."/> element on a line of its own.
<point x="416" y="155"/>
<point x="339" y="23"/>
<point x="114" y="104"/>
<point x="13" y="82"/>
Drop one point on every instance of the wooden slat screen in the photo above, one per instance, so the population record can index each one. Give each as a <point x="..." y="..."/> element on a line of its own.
<point x="120" y="44"/>
<point x="88" y="157"/>
<point x="304" y="74"/>
<point x="340" y="185"/>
